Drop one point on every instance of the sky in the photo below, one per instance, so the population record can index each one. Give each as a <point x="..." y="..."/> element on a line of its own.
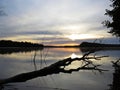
<point x="55" y="22"/>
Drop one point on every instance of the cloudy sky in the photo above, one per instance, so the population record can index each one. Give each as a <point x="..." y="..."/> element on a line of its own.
<point x="54" y="21"/>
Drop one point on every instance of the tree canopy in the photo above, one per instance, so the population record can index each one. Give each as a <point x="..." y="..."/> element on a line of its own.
<point x="114" y="14"/>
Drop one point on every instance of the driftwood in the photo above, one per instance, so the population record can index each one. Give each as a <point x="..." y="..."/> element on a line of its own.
<point x="55" y="68"/>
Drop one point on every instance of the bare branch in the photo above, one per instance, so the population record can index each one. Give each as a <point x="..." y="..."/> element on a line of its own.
<point x="56" y="68"/>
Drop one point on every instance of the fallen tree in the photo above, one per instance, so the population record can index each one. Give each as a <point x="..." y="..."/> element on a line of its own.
<point x="56" y="68"/>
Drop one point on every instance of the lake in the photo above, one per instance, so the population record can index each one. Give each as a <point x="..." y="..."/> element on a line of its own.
<point x="15" y="63"/>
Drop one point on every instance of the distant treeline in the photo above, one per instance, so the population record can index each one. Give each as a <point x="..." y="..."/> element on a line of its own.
<point x="9" y="43"/>
<point x="88" y="44"/>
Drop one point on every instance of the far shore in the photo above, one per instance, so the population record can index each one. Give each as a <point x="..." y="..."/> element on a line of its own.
<point x="15" y="44"/>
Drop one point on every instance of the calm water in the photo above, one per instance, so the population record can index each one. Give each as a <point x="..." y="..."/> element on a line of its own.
<point x="16" y="63"/>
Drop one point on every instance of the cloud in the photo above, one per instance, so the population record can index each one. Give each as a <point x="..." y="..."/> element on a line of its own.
<point x="52" y="17"/>
<point x="34" y="32"/>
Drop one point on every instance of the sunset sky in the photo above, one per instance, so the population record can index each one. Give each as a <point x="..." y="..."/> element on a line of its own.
<point x="55" y="22"/>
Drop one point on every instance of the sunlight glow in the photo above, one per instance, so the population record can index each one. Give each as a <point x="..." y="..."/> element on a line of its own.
<point x="82" y="36"/>
<point x="73" y="27"/>
<point x="73" y="56"/>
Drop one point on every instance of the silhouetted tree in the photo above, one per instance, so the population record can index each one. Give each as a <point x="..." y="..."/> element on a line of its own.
<point x="113" y="24"/>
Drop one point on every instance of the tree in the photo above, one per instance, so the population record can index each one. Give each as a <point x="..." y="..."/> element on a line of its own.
<point x="113" y="24"/>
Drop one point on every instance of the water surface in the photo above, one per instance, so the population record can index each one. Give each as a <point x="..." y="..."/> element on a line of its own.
<point x="22" y="62"/>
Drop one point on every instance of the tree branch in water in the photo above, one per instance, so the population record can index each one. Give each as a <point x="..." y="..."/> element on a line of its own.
<point x="56" y="68"/>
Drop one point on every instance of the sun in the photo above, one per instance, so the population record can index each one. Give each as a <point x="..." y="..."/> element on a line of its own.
<point x="74" y="37"/>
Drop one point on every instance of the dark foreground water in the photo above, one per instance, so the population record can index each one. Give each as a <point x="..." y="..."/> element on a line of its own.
<point x="14" y="63"/>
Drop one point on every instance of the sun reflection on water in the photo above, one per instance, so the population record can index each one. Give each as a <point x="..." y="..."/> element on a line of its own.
<point x="73" y="55"/>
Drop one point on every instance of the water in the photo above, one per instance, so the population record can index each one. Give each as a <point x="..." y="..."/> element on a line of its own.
<point x="15" y="63"/>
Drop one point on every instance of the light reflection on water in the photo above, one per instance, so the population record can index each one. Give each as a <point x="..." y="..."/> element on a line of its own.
<point x="16" y="63"/>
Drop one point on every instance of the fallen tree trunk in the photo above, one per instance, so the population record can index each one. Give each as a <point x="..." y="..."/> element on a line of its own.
<point x="53" y="69"/>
